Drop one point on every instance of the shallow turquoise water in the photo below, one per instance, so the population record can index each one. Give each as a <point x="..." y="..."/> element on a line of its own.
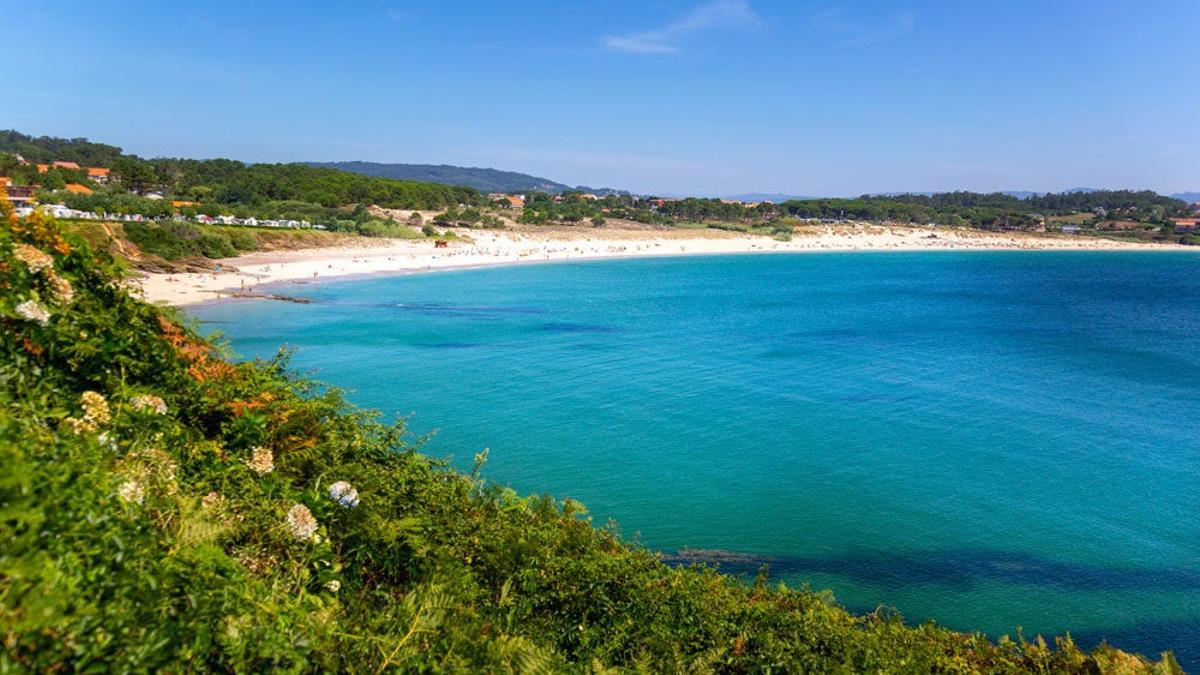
<point x="991" y="440"/>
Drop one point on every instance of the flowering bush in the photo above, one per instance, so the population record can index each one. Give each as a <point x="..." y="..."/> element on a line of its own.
<point x="32" y="257"/>
<point x="134" y="537"/>
<point x="261" y="461"/>
<point x="131" y="491"/>
<point x="343" y="493"/>
<point x="301" y="523"/>
<point x="149" y="402"/>
<point x="33" y="311"/>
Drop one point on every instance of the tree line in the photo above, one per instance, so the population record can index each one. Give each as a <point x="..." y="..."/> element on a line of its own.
<point x="221" y="182"/>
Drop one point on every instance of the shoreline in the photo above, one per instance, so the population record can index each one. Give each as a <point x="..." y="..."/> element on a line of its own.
<point x="252" y="274"/>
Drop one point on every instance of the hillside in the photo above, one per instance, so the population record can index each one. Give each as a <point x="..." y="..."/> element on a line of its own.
<point x="163" y="508"/>
<point x="45" y="149"/>
<point x="328" y="197"/>
<point x="484" y="180"/>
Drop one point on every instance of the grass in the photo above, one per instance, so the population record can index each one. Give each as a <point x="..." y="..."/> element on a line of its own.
<point x="155" y="248"/>
<point x="1071" y="219"/>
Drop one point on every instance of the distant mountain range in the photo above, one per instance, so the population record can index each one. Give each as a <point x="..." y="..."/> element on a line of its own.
<point x="484" y="180"/>
<point x="1192" y="197"/>
<point x="775" y="197"/>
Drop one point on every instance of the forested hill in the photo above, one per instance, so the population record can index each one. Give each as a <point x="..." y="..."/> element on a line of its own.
<point x="269" y="190"/>
<point x="46" y="149"/>
<point x="484" y="180"/>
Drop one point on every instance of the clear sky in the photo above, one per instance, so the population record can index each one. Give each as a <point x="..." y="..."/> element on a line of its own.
<point x="670" y="96"/>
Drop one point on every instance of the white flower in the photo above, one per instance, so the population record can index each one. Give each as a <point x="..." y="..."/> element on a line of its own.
<point x="333" y="585"/>
<point x="131" y="491"/>
<point x="95" y="413"/>
<point x="60" y="287"/>
<point x="344" y="494"/>
<point x="149" y="401"/>
<point x="301" y="522"/>
<point x="211" y="500"/>
<point x="261" y="461"/>
<point x="108" y="441"/>
<point x="95" y="408"/>
<point x="32" y="311"/>
<point x="33" y="258"/>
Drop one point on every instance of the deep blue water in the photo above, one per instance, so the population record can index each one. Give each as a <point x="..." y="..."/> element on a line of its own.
<point x="991" y="440"/>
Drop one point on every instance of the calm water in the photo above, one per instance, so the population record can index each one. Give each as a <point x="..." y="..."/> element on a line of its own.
<point x="991" y="440"/>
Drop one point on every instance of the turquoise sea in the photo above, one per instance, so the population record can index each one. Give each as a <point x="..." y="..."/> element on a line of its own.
<point x="990" y="439"/>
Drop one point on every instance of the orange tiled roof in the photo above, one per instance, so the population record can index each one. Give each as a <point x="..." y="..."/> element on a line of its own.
<point x="178" y="204"/>
<point x="67" y="165"/>
<point x="5" y="181"/>
<point x="78" y="189"/>
<point x="97" y="172"/>
<point x="43" y="168"/>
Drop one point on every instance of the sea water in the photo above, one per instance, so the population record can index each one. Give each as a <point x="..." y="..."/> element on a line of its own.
<point x="993" y="440"/>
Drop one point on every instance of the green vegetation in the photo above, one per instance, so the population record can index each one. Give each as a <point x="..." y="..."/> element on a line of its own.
<point x="172" y="241"/>
<point x="160" y="252"/>
<point x="47" y="149"/>
<point x="985" y="211"/>
<point x="1097" y="210"/>
<point x="292" y="191"/>
<point x="469" y="217"/>
<point x="162" y="508"/>
<point x="229" y="182"/>
<point x="388" y="228"/>
<point x="573" y="209"/>
<point x="484" y="180"/>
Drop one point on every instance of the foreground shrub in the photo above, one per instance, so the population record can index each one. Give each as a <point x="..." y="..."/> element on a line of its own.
<point x="243" y="241"/>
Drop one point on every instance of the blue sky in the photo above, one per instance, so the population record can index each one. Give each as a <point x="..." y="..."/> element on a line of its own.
<point x="687" y="96"/>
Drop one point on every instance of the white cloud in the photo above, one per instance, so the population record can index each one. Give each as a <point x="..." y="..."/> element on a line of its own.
<point x="717" y="14"/>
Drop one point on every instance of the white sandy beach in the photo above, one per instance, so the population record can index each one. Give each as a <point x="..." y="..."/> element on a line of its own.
<point x="248" y="273"/>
